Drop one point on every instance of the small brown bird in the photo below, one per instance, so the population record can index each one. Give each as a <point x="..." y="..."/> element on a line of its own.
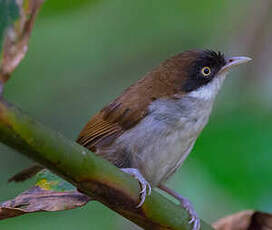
<point x="150" y="129"/>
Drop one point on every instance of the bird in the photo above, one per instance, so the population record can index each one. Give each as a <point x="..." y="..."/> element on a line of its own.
<point x="150" y="129"/>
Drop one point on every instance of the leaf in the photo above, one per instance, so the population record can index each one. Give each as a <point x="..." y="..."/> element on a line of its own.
<point x="17" y="18"/>
<point x="50" y="193"/>
<point x="37" y="199"/>
<point x="49" y="181"/>
<point x="245" y="220"/>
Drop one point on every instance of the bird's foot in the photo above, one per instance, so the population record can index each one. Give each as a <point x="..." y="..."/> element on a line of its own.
<point x="190" y="209"/>
<point x="185" y="203"/>
<point x="145" y="186"/>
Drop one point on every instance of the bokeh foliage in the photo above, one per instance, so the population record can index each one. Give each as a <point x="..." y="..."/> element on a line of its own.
<point x="84" y="53"/>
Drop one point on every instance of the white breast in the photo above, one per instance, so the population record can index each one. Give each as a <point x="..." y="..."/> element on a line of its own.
<point x="171" y="128"/>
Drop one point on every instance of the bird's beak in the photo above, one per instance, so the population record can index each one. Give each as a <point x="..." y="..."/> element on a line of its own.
<point x="234" y="61"/>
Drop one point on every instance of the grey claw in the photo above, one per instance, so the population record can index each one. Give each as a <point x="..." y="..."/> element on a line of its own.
<point x="196" y="223"/>
<point x="185" y="203"/>
<point x="141" y="202"/>
<point x="194" y="218"/>
<point x="142" y="181"/>
<point x="144" y="189"/>
<point x="149" y="189"/>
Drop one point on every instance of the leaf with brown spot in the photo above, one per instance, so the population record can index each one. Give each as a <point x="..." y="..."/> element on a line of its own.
<point x="17" y="19"/>
<point x="50" y="193"/>
<point x="245" y="220"/>
<point x="37" y="199"/>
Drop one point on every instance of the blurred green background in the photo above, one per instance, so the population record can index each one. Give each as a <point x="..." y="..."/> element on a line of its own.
<point x="82" y="54"/>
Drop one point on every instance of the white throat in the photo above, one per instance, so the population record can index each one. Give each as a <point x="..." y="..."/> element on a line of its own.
<point x="209" y="91"/>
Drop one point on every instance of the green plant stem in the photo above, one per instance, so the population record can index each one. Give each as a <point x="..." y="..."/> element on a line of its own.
<point x="92" y="175"/>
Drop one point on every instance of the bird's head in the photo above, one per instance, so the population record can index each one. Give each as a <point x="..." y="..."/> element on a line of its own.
<point x="200" y="73"/>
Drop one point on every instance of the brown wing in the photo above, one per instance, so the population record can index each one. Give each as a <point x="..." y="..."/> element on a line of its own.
<point x="108" y="124"/>
<point x="98" y="132"/>
<point x="103" y="128"/>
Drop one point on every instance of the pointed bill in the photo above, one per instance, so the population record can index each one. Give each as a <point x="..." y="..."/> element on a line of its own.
<point x="234" y="61"/>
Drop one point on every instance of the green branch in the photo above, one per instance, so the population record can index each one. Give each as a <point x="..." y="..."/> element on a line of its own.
<point x="92" y="175"/>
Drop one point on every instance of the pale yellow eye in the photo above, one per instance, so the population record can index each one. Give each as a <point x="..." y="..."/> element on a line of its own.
<point x="206" y="71"/>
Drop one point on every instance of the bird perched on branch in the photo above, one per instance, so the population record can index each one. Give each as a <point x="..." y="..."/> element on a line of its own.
<point x="149" y="130"/>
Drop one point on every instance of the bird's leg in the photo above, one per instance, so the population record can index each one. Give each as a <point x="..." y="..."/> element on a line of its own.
<point x="145" y="186"/>
<point x="184" y="203"/>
